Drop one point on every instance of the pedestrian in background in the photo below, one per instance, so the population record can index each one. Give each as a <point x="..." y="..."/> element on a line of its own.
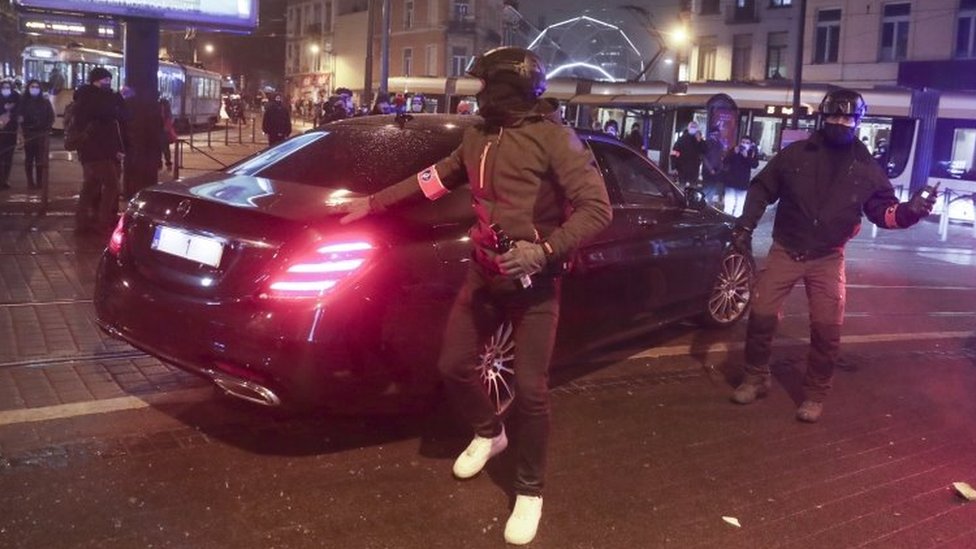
<point x="9" y="100"/>
<point x="738" y="172"/>
<point x="277" y="121"/>
<point x="635" y="139"/>
<point x="168" y="131"/>
<point x="546" y="193"/>
<point x="611" y="128"/>
<point x="713" y="176"/>
<point x="382" y="104"/>
<point x="687" y="155"/>
<point x="101" y="112"/>
<point x="37" y="118"/>
<point x="822" y="184"/>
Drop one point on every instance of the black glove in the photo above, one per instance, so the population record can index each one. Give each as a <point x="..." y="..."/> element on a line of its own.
<point x="525" y="258"/>
<point x="742" y="239"/>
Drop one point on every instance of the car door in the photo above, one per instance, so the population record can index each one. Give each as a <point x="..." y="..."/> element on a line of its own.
<point x="664" y="245"/>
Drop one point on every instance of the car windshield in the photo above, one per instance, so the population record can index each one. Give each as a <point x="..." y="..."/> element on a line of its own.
<point x="362" y="159"/>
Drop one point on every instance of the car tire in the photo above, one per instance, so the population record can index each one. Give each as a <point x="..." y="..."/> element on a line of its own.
<point x="731" y="293"/>
<point x="496" y="367"/>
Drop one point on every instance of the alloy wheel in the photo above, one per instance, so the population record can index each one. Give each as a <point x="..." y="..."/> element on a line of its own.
<point x="496" y="366"/>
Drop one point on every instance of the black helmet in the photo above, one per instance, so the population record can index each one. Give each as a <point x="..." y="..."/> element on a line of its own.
<point x="844" y="102"/>
<point x="528" y="68"/>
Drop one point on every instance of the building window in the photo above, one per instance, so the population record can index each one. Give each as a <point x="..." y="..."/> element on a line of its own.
<point x="780" y="3"/>
<point x="407" y="61"/>
<point x="407" y="15"/>
<point x="462" y="9"/>
<point x="741" y="56"/>
<point x="707" y="53"/>
<point x="894" y="32"/>
<point x="776" y="46"/>
<point x="828" y="36"/>
<point x="433" y="17"/>
<point x="966" y="29"/>
<point x="459" y="61"/>
<point x="710" y="7"/>
<point x="432" y="69"/>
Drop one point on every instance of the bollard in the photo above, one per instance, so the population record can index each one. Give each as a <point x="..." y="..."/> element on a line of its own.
<point x="240" y="130"/>
<point x="226" y="133"/>
<point x="178" y="153"/>
<point x="944" y="216"/>
<point x="254" y="126"/>
<point x="973" y="198"/>
<point x="209" y="131"/>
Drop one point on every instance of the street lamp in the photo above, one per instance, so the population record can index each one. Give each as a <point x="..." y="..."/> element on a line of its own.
<point x="209" y="48"/>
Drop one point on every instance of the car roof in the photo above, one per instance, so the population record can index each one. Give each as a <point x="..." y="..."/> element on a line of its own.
<point x="430" y="122"/>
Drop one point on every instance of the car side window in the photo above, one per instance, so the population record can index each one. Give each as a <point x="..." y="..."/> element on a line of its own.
<point x="637" y="180"/>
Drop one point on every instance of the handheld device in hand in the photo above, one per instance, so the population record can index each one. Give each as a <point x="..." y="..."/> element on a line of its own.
<point x="929" y="190"/>
<point x="505" y="243"/>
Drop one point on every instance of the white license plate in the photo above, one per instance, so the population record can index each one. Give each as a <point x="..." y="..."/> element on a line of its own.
<point x="194" y="247"/>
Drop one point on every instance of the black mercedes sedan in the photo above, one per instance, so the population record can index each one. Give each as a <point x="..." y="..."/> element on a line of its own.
<point x="246" y="277"/>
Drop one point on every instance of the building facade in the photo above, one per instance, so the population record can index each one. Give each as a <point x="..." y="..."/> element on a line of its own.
<point x="857" y="43"/>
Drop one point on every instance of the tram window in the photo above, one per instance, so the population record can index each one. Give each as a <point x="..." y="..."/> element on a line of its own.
<point x="955" y="149"/>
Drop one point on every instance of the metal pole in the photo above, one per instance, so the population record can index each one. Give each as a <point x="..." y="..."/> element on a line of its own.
<point x="240" y="130"/>
<point x="944" y="215"/>
<point x="385" y="49"/>
<point x="178" y="153"/>
<point x="368" y="69"/>
<point x="227" y="133"/>
<point x="798" y="63"/>
<point x="209" y="131"/>
<point x="254" y="126"/>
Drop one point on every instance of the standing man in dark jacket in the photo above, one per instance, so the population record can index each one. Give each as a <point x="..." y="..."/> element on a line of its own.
<point x="102" y="113"/>
<point x="823" y="184"/>
<point x="738" y="172"/>
<point x="687" y="155"/>
<point x="37" y="117"/>
<point x="277" y="121"/>
<point x="9" y="98"/>
<point x="526" y="170"/>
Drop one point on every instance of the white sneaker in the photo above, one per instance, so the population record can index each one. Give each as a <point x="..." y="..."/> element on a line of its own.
<point x="524" y="521"/>
<point x="473" y="459"/>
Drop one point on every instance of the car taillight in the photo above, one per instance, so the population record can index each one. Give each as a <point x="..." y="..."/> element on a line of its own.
<point x="318" y="272"/>
<point x="118" y="237"/>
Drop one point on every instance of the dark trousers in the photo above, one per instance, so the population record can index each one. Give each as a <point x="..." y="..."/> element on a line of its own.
<point x="824" y="280"/>
<point x="8" y="140"/>
<point x="98" y="202"/>
<point x="481" y="306"/>
<point x="275" y="138"/>
<point x="166" y="152"/>
<point x="36" y="159"/>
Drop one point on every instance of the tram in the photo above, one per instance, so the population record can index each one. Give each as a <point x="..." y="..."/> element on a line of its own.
<point x="194" y="93"/>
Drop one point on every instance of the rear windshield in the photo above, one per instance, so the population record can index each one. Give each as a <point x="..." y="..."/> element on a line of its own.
<point x="362" y="159"/>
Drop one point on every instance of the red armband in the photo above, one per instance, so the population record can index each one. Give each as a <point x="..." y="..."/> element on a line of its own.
<point x="430" y="183"/>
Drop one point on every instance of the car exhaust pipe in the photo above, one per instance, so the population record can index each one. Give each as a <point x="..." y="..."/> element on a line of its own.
<point x="244" y="389"/>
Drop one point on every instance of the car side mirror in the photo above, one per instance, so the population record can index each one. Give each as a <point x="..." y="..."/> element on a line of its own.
<point x="695" y="198"/>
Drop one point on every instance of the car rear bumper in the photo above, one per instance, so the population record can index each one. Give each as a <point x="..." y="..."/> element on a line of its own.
<point x="258" y="350"/>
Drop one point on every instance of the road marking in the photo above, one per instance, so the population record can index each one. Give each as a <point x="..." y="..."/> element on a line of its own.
<point x="75" y="409"/>
<point x="678" y="350"/>
<point x="884" y="287"/>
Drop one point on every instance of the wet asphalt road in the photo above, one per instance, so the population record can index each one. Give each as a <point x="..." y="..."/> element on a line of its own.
<point x="646" y="450"/>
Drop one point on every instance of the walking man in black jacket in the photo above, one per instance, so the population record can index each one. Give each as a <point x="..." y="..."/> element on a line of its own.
<point x="823" y="184"/>
<point x="526" y="170"/>
<point x="101" y="112"/>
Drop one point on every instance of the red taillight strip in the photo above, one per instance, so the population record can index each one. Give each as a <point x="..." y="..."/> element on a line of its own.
<point x="316" y="273"/>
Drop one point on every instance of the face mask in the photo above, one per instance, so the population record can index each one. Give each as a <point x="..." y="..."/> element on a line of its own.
<point x="839" y="135"/>
<point x="5" y="92"/>
<point x="35" y="91"/>
<point x="106" y="86"/>
<point x="692" y="131"/>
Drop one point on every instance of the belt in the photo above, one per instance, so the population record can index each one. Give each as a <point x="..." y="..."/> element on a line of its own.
<point x="809" y="255"/>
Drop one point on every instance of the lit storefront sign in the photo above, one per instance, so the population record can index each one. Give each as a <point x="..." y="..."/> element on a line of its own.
<point x="35" y="23"/>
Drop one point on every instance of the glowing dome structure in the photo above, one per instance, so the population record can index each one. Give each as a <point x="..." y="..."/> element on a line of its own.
<point x="585" y="47"/>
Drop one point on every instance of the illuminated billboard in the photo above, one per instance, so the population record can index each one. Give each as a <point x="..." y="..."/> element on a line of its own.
<point x="220" y="14"/>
